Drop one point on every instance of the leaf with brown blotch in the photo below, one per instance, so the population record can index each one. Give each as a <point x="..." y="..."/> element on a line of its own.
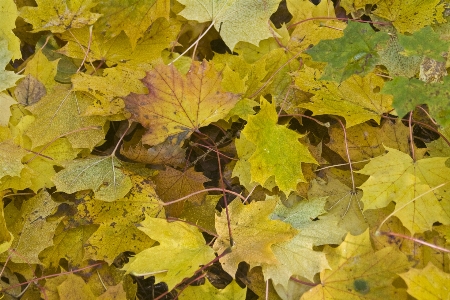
<point x="178" y="104"/>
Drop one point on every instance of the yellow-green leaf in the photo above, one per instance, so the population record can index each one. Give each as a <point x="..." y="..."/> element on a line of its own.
<point x="181" y="245"/>
<point x="237" y="20"/>
<point x="278" y="152"/>
<point x="429" y="283"/>
<point x="254" y="234"/>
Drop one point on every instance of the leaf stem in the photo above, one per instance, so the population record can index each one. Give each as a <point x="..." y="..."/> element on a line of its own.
<point x="416" y="240"/>
<point x="334" y="18"/>
<point x="348" y="155"/>
<point x="203" y="191"/>
<point x="411" y="138"/>
<point x="196" y="42"/>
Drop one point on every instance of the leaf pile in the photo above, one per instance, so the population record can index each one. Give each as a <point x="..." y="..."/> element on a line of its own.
<point x="224" y="149"/>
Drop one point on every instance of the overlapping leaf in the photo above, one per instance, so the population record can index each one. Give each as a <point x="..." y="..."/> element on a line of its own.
<point x="178" y="104"/>
<point x="237" y="20"/>
<point x="184" y="252"/>
<point x="254" y="234"/>
<point x="277" y="153"/>
<point x="396" y="177"/>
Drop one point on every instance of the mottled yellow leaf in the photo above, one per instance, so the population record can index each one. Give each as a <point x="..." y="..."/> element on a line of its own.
<point x="208" y="292"/>
<point x="254" y="234"/>
<point x="178" y="104"/>
<point x="59" y="16"/>
<point x="8" y="16"/>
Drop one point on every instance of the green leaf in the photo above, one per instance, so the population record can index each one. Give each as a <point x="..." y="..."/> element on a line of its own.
<point x="408" y="93"/>
<point x="181" y="245"/>
<point x="424" y="42"/>
<point x="354" y="53"/>
<point x="234" y="19"/>
<point x="59" y="16"/>
<point x="278" y="152"/>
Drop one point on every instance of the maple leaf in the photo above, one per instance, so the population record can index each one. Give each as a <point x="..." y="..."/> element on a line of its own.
<point x="174" y="258"/>
<point x="408" y="93"/>
<point x="357" y="272"/>
<point x="236" y="20"/>
<point x="32" y="232"/>
<point x="42" y="69"/>
<point x="354" y="53"/>
<point x="8" y="16"/>
<point x="366" y="141"/>
<point x="253" y="234"/>
<point x="60" y="16"/>
<point x="296" y="257"/>
<point x="343" y="207"/>
<point x="103" y="175"/>
<point x="166" y="153"/>
<point x="410" y="15"/>
<point x="10" y="158"/>
<point x="132" y="16"/>
<point x="178" y="104"/>
<point x="172" y="184"/>
<point x="114" y="237"/>
<point x="396" y="177"/>
<point x="304" y="9"/>
<point x="355" y="99"/>
<point x="60" y="112"/>
<point x="6" y="237"/>
<point x="74" y="285"/>
<point x="67" y="243"/>
<point x="5" y="101"/>
<point x="118" y="50"/>
<point x="207" y="291"/>
<point x="278" y="152"/>
<point x="7" y="78"/>
<point x="424" y="42"/>
<point x="116" y="82"/>
<point x="395" y="62"/>
<point x="428" y="283"/>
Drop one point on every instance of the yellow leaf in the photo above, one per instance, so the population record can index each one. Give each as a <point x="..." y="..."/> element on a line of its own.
<point x="357" y="272"/>
<point x="8" y="16"/>
<point x="178" y="104"/>
<point x="42" y="69"/>
<point x="396" y="177"/>
<point x="208" y="292"/>
<point x="60" y="113"/>
<point x="234" y="19"/>
<point x="356" y="99"/>
<point x="254" y="234"/>
<point x="131" y="16"/>
<point x="59" y="16"/>
<point x="410" y="15"/>
<point x="429" y="283"/>
<point x="7" y="78"/>
<point x="181" y="251"/>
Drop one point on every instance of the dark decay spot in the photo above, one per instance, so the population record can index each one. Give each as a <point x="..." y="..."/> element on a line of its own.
<point x="361" y="286"/>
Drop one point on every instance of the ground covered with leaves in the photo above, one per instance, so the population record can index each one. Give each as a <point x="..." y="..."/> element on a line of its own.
<point x="224" y="149"/>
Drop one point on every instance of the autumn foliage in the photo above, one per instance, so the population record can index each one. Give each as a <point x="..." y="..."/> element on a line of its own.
<point x="224" y="149"/>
